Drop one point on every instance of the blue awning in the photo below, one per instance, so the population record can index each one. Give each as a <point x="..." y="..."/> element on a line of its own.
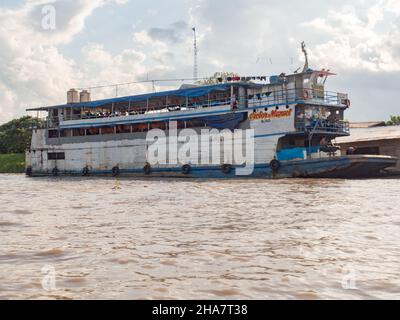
<point x="185" y="93"/>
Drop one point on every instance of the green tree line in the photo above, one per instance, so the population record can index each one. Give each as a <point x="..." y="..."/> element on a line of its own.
<point x="394" y="121"/>
<point x="15" y="136"/>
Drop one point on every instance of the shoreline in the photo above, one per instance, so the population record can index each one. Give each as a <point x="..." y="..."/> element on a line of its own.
<point x="13" y="163"/>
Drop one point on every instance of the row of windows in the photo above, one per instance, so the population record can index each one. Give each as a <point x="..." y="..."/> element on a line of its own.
<point x="143" y="127"/>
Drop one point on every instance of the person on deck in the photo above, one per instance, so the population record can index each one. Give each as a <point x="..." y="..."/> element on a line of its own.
<point x="351" y="151"/>
<point x="324" y="142"/>
<point x="234" y="101"/>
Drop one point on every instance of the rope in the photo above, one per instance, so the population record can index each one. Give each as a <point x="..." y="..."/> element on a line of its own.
<point x="163" y="80"/>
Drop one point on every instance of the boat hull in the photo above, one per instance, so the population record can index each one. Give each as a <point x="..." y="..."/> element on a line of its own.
<point x="346" y="167"/>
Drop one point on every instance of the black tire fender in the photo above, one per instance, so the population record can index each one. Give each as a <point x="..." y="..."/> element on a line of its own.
<point x="186" y="169"/>
<point x="227" y="168"/>
<point x="85" y="171"/>
<point x="29" y="171"/>
<point x="275" y="165"/>
<point x="147" y="169"/>
<point x="55" y="172"/>
<point x="115" y="171"/>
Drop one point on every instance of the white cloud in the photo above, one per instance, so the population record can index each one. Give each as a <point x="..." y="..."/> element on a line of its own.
<point x="360" y="39"/>
<point x="357" y="43"/>
<point x="25" y="23"/>
<point x="107" y="67"/>
<point x="35" y="73"/>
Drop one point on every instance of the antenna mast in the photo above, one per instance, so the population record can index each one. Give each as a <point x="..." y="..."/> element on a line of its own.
<point x="303" y="48"/>
<point x="195" y="65"/>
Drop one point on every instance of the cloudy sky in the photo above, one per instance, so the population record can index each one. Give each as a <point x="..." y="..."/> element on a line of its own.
<point x="97" y="42"/>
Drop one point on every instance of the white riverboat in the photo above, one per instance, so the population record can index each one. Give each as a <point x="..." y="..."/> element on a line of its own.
<point x="293" y="119"/>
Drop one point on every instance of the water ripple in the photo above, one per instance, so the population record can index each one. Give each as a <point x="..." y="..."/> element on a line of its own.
<point x="150" y="239"/>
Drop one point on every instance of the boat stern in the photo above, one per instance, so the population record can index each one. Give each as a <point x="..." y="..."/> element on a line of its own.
<point x="345" y="167"/>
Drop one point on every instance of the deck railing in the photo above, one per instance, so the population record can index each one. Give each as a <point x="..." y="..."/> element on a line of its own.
<point x="328" y="98"/>
<point x="305" y="96"/>
<point x="257" y="100"/>
<point x="322" y="126"/>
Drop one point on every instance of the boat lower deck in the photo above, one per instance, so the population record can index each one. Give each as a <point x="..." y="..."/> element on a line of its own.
<point x="345" y="167"/>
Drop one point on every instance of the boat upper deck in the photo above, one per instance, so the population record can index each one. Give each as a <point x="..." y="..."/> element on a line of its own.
<point x="193" y="102"/>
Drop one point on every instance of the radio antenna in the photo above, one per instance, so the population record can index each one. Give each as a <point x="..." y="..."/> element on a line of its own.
<point x="303" y="48"/>
<point x="195" y="61"/>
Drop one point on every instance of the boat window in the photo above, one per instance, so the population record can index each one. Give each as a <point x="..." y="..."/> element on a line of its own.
<point x="367" y="150"/>
<point x="107" y="130"/>
<point x="56" y="156"/>
<point x="196" y="123"/>
<point x="181" y="124"/>
<point x="78" y="132"/>
<point x="158" y="125"/>
<point x="53" y="133"/>
<point x="141" y="127"/>
<point x="291" y="142"/>
<point x="123" y="129"/>
<point x="92" y="131"/>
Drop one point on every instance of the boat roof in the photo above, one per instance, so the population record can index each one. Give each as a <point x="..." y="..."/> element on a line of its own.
<point x="193" y="92"/>
<point x="371" y="134"/>
<point x="366" y="125"/>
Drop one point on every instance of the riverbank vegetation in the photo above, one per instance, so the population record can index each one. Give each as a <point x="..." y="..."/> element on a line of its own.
<point x="15" y="138"/>
<point x="12" y="163"/>
<point x="394" y="121"/>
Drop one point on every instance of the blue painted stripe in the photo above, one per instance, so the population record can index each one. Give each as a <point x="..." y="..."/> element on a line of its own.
<point x="219" y="167"/>
<point x="271" y="135"/>
<point x="177" y="169"/>
<point x="288" y="168"/>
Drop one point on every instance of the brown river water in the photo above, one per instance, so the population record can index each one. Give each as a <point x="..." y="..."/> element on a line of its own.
<point x="100" y="238"/>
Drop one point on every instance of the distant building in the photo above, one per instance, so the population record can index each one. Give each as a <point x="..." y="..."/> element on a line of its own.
<point x="372" y="124"/>
<point x="373" y="138"/>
